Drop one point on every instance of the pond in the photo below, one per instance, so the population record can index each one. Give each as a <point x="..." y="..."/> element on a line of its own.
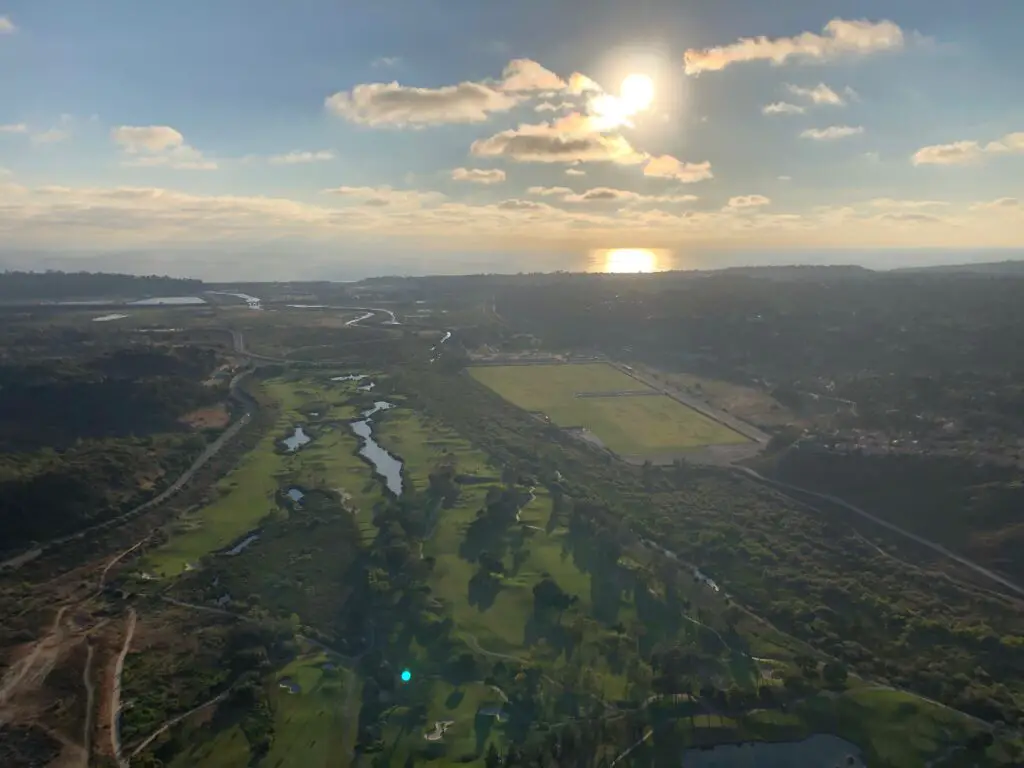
<point x="818" y="751"/>
<point x="295" y="495"/>
<point x="298" y="439"/>
<point x="386" y="465"/>
<point x="251" y="301"/>
<point x="157" y="301"/>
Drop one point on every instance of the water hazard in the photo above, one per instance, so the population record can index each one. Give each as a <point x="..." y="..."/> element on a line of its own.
<point x="298" y="439"/>
<point x="386" y="465"/>
<point x="818" y="751"/>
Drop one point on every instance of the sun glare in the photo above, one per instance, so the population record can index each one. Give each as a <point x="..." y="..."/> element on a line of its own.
<point x="637" y="91"/>
<point x="627" y="260"/>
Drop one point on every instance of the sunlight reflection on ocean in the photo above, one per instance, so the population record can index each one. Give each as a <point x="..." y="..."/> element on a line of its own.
<point x="630" y="260"/>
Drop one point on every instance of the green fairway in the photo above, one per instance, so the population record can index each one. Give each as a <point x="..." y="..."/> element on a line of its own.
<point x="630" y="425"/>
<point x="248" y="493"/>
<point x="319" y="721"/>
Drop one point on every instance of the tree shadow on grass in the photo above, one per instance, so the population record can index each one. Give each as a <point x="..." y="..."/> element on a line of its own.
<point x="552" y="632"/>
<point x="482" y="727"/>
<point x="483" y="591"/>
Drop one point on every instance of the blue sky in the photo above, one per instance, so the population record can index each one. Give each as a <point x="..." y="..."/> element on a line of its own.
<point x="260" y="130"/>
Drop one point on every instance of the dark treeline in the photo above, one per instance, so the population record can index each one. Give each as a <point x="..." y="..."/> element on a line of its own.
<point x="86" y="285"/>
<point x="55" y="404"/>
<point x="744" y="327"/>
<point x="85" y="440"/>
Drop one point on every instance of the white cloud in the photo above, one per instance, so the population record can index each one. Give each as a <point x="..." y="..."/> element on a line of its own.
<point x="1011" y="142"/>
<point x="527" y="75"/>
<point x="398" y="106"/>
<point x="523" y="205"/>
<point x="403" y="106"/>
<point x="748" y="201"/>
<point x="964" y="152"/>
<point x="782" y="108"/>
<point x="65" y="218"/>
<point x="785" y="178"/>
<point x="579" y="84"/>
<point x="572" y="139"/>
<point x="14" y="128"/>
<point x="607" y="195"/>
<point x="819" y="94"/>
<point x="148" y="138"/>
<point x="574" y="172"/>
<point x="52" y="136"/>
<point x="1001" y="205"/>
<point x="60" y="132"/>
<point x="300" y="157"/>
<point x="385" y="197"/>
<point x="7" y="26"/>
<point x="479" y="175"/>
<point x="547" y="106"/>
<point x="386" y="61"/>
<point x="152" y="146"/>
<point x="548" y="191"/>
<point x="888" y="202"/>
<point x="668" y="167"/>
<point x="832" y="133"/>
<point x="905" y="217"/>
<point x="839" y="37"/>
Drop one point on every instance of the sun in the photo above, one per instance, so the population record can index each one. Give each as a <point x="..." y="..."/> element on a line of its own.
<point x="637" y="91"/>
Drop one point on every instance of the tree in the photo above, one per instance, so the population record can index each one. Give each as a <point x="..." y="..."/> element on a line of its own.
<point x="493" y="759"/>
<point x="835" y="674"/>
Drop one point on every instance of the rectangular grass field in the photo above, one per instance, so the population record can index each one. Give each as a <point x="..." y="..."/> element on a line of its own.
<point x="630" y="425"/>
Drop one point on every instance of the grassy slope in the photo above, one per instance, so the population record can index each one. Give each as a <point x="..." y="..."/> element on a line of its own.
<point x="627" y="425"/>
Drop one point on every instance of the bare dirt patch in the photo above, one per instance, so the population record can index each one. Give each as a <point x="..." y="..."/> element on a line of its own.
<point x="214" y="417"/>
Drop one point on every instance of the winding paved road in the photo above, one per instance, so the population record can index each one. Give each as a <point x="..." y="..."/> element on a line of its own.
<point x="208" y="453"/>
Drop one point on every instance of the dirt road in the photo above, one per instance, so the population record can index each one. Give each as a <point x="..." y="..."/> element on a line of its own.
<point x="115" y="692"/>
<point x="39" y="661"/>
<point x="90" y="699"/>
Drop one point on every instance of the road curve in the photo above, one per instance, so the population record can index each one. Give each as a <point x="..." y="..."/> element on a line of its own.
<point x="935" y="547"/>
<point x="170" y="724"/>
<point x="16" y="561"/>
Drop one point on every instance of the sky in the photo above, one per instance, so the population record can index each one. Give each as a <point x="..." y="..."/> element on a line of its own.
<point x="335" y="138"/>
